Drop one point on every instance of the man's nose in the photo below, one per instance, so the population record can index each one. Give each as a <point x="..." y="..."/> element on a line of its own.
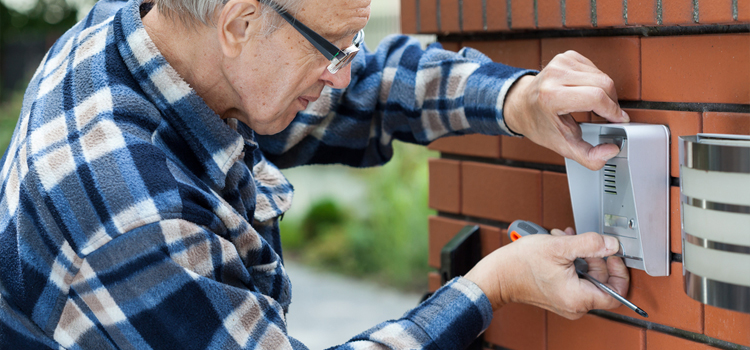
<point x="339" y="80"/>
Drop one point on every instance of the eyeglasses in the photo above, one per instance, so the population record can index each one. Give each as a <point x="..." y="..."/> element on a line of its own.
<point x="339" y="59"/>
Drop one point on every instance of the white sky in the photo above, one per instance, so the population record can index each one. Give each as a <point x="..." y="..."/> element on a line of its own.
<point x="383" y="7"/>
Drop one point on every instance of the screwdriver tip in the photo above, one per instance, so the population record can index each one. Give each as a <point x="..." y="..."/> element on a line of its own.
<point x="641" y="312"/>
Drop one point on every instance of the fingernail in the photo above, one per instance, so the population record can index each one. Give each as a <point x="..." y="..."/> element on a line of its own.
<point x="612" y="243"/>
<point x="625" y="116"/>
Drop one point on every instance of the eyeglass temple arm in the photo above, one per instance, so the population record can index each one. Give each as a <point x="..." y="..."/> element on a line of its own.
<point x="324" y="46"/>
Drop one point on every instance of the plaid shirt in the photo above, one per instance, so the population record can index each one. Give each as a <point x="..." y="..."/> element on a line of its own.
<point x="135" y="218"/>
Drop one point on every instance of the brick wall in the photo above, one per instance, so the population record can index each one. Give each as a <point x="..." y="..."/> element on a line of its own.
<point x="681" y="63"/>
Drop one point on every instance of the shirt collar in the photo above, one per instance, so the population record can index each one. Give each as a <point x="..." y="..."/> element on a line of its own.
<point x="217" y="145"/>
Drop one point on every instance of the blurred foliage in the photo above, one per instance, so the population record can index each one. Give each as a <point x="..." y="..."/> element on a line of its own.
<point x="40" y="16"/>
<point x="10" y="110"/>
<point x="34" y="21"/>
<point x="44" y="17"/>
<point x="389" y="244"/>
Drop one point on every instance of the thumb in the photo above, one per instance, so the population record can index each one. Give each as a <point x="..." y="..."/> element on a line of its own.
<point x="592" y="157"/>
<point x="590" y="245"/>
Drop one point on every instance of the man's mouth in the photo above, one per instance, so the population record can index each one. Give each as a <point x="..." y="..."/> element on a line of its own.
<point x="305" y="100"/>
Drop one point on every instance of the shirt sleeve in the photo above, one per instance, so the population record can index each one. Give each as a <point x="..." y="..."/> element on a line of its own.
<point x="397" y="92"/>
<point x="173" y="284"/>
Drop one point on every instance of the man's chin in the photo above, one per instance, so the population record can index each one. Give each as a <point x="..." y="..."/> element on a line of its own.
<point x="272" y="128"/>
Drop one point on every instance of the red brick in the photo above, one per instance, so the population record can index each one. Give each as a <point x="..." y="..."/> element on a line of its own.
<point x="610" y="13"/>
<point x="726" y="123"/>
<point x="497" y="15"/>
<point x="518" y="326"/>
<point x="449" y="16"/>
<point x="743" y="10"/>
<point x="469" y="145"/>
<point x="522" y="14"/>
<point x="642" y="12"/>
<point x="578" y="13"/>
<point x="409" y="16"/>
<point x="492" y="238"/>
<point x="549" y="14"/>
<point x="515" y="53"/>
<point x="500" y="192"/>
<point x="660" y="341"/>
<point x="664" y="299"/>
<point x="473" y="13"/>
<point x="715" y="11"/>
<point x="592" y="332"/>
<point x="677" y="12"/>
<point x="679" y="123"/>
<point x="581" y="117"/>
<point x="445" y="185"/>
<point x="428" y="16"/>
<point x="442" y="231"/>
<point x="703" y="68"/>
<point x="557" y="210"/>
<point x="433" y="281"/>
<point x="728" y="325"/>
<point x="524" y="150"/>
<point x="618" y="57"/>
<point x="675" y="224"/>
<point x="451" y="46"/>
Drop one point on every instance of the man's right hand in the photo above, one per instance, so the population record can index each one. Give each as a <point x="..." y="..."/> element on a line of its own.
<point x="539" y="270"/>
<point x="539" y="107"/>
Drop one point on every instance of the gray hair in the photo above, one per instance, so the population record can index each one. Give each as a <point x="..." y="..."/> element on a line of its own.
<point x="193" y="12"/>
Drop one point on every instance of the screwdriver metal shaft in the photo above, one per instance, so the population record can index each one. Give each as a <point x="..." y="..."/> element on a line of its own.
<point x="614" y="294"/>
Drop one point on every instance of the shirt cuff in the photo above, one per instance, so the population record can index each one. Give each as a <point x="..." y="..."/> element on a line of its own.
<point x="455" y="315"/>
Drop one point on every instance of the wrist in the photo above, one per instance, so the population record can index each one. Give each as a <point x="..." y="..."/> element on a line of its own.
<point x="513" y="106"/>
<point x="490" y="277"/>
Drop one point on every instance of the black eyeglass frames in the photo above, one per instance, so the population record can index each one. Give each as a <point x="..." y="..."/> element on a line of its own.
<point x="339" y="59"/>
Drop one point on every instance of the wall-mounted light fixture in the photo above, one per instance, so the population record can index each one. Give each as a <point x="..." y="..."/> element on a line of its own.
<point x="715" y="202"/>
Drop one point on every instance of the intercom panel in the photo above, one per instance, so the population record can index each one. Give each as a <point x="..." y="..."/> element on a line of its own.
<point x="629" y="197"/>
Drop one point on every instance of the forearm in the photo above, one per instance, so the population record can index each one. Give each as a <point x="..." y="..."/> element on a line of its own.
<point x="398" y="92"/>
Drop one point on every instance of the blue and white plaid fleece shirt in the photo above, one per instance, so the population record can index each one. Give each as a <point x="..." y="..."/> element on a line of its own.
<point x="133" y="217"/>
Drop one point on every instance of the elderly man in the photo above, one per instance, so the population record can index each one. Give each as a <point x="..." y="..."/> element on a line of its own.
<point x="141" y="194"/>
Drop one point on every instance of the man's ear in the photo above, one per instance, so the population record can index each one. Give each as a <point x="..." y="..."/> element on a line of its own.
<point x="237" y="23"/>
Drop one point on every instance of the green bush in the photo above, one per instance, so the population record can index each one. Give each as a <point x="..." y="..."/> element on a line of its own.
<point x="389" y="244"/>
<point x="9" y="113"/>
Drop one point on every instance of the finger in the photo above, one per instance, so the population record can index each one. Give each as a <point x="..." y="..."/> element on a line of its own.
<point x="580" y="58"/>
<point x="619" y="277"/>
<point x="589" y="156"/>
<point x="573" y="60"/>
<point x="589" y="78"/>
<point x="598" y="269"/>
<point x="589" y="245"/>
<point x="557" y="232"/>
<point x="597" y="298"/>
<point x="588" y="98"/>
<point x="568" y="232"/>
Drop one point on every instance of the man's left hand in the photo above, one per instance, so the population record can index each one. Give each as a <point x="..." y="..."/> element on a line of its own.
<point x="539" y="107"/>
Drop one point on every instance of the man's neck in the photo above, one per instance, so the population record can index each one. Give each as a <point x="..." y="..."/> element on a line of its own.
<point x="194" y="54"/>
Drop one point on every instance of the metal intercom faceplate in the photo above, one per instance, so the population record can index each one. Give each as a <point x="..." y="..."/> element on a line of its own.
<point x="629" y="197"/>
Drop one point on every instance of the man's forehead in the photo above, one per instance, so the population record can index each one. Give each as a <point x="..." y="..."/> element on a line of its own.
<point x="340" y="17"/>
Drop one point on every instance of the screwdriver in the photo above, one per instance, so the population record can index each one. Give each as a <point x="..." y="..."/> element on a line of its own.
<point x="521" y="228"/>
